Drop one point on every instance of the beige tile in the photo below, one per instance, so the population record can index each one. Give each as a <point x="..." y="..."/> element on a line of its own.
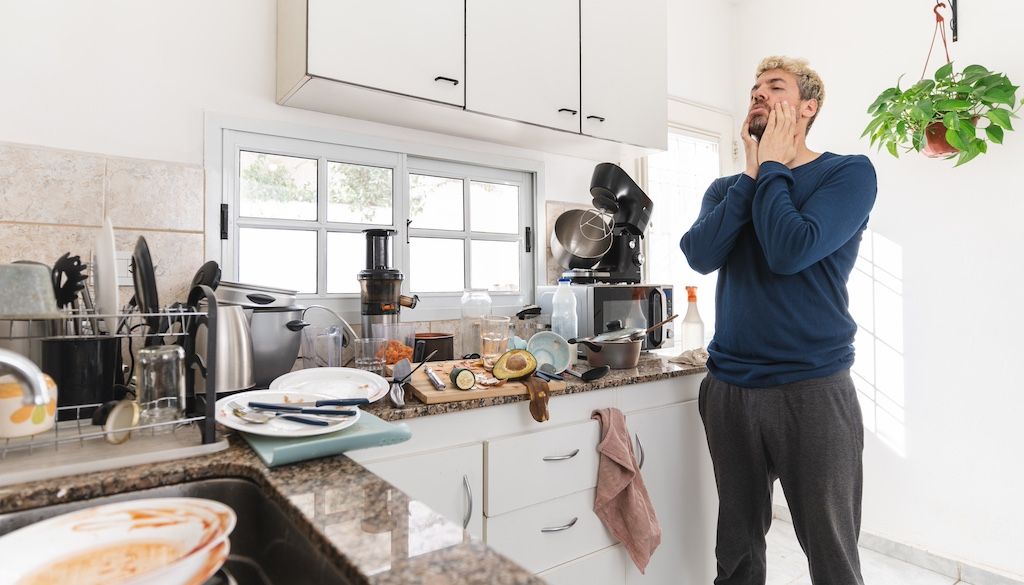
<point x="450" y="326"/>
<point x="176" y="257"/>
<point x="154" y="195"/>
<point x="44" y="243"/>
<point x="46" y="185"/>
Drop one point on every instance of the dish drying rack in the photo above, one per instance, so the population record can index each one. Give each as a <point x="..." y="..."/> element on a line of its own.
<point x="77" y="446"/>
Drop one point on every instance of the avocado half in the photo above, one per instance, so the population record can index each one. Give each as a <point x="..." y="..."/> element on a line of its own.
<point x="516" y="363"/>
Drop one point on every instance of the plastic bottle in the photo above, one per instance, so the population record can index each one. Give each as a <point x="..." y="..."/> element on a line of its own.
<point x="693" y="325"/>
<point x="564" y="321"/>
<point x="476" y="304"/>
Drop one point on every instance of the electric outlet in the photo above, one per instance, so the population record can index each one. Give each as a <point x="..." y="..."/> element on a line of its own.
<point x="124" y="275"/>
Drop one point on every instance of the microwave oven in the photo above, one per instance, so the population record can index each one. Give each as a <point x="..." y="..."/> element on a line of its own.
<point x="634" y="305"/>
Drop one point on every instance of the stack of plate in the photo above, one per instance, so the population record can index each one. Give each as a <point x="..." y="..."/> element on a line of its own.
<point x="159" y="541"/>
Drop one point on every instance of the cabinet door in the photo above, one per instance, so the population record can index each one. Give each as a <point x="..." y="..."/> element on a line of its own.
<point x="405" y="46"/>
<point x="670" y="443"/>
<point x="623" y="47"/>
<point x="523" y="61"/>
<point x="605" y="567"/>
<point x="449" y="481"/>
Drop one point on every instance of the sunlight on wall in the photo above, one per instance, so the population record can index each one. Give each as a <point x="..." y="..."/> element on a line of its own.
<point x="876" y="303"/>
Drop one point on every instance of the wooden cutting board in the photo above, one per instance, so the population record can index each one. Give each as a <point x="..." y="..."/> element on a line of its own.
<point x="426" y="392"/>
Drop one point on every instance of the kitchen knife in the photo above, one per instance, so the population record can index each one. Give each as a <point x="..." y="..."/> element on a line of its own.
<point x="319" y="403"/>
<point x="300" y="409"/>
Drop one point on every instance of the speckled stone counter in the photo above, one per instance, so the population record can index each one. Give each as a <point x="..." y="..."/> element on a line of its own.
<point x="651" y="367"/>
<point x="371" y="531"/>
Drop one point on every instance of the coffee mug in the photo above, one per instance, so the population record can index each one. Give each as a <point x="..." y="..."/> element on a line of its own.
<point x="444" y="343"/>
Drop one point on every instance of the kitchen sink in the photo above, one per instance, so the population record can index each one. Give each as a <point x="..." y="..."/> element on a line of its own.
<point x="266" y="546"/>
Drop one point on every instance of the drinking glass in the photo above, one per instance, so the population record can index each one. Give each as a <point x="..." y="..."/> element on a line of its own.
<point x="370" y="354"/>
<point x="161" y="384"/>
<point x="493" y="338"/>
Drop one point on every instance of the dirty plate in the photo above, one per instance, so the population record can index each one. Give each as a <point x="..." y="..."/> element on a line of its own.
<point x="550" y="348"/>
<point x="160" y="541"/>
<point x="280" y="427"/>
<point x="335" y="383"/>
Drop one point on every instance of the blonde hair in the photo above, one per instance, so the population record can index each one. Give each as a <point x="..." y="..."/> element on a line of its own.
<point x="810" y="83"/>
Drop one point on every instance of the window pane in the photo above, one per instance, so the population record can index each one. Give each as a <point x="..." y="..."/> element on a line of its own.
<point x="494" y="265"/>
<point x="346" y="256"/>
<point x="436" y="265"/>
<point x="278" y="258"/>
<point x="435" y="202"/>
<point x="493" y="208"/>
<point x="359" y="194"/>
<point x="271" y="185"/>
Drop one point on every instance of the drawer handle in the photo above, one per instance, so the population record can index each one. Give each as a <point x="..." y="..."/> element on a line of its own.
<point x="562" y="457"/>
<point x="641" y="448"/>
<point x="573" y="112"/>
<point x="448" y="79"/>
<point x="469" y="498"/>
<point x="598" y="118"/>
<point x="561" y="528"/>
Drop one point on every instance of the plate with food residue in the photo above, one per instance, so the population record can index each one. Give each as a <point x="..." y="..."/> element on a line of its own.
<point x="336" y="382"/>
<point x="239" y="412"/>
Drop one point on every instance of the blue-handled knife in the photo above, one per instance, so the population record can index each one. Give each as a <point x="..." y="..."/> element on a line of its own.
<point x="300" y="409"/>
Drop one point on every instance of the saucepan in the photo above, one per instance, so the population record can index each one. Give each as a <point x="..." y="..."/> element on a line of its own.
<point x="621" y="354"/>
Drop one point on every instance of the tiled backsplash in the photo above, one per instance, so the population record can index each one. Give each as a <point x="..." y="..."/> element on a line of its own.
<point x="53" y="201"/>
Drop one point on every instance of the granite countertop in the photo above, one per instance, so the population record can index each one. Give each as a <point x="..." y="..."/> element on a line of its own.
<point x="343" y="508"/>
<point x="650" y="368"/>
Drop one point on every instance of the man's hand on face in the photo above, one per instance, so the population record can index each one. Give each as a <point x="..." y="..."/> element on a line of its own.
<point x="779" y="141"/>
<point x="749" y="150"/>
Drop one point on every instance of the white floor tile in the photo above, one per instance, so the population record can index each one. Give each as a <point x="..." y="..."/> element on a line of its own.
<point x="787" y="564"/>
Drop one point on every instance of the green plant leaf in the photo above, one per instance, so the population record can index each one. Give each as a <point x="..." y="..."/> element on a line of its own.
<point x="1000" y="118"/>
<point x="918" y="139"/>
<point x="872" y="126"/>
<point x="892" y="149"/>
<point x="928" y="107"/>
<point x="994" y="133"/>
<point x="901" y="128"/>
<point x="944" y="72"/>
<point x="1000" y="95"/>
<point x="951" y="121"/>
<point x="952" y="105"/>
<point x="954" y="139"/>
<point x="981" y="146"/>
<point x="975" y="69"/>
<point x="966" y="156"/>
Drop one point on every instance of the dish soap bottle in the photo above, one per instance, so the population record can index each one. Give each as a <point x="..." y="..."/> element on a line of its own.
<point x="564" y="321"/>
<point x="693" y="325"/>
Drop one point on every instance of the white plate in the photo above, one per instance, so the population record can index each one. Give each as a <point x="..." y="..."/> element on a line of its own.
<point x="551" y="348"/>
<point x="335" y="382"/>
<point x="104" y="275"/>
<point x="185" y="538"/>
<point x="279" y="427"/>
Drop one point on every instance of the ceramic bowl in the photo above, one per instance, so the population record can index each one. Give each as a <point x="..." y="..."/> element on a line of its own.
<point x="550" y="348"/>
<point x="154" y="541"/>
<point x="26" y="292"/>
<point x="21" y="420"/>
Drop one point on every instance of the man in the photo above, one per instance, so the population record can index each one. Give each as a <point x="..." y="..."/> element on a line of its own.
<point x="778" y="401"/>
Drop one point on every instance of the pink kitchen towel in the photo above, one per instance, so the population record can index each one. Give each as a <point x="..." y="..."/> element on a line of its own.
<point x="622" y="502"/>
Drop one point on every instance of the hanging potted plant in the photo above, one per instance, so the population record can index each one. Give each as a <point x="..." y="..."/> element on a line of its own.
<point x="954" y="114"/>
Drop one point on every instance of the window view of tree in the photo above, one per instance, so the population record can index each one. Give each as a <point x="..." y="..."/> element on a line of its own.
<point x="277" y="186"/>
<point x="359" y="194"/>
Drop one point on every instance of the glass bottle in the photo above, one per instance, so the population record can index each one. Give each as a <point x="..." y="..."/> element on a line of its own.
<point x="693" y="325"/>
<point x="476" y="304"/>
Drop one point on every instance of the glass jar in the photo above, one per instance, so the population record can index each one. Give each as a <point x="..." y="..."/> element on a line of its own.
<point x="476" y="304"/>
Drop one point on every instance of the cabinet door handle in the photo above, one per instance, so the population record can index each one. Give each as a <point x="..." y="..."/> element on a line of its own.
<point x="641" y="449"/>
<point x="448" y="79"/>
<point x="598" y="118"/>
<point x="562" y="457"/>
<point x="561" y="528"/>
<point x="469" y="498"/>
<point x="573" y="112"/>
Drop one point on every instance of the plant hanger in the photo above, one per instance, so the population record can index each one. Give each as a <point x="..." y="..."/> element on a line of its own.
<point x="940" y="29"/>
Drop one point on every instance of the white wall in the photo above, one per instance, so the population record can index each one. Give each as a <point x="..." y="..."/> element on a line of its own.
<point x="129" y="78"/>
<point x="701" y="51"/>
<point x="956" y="490"/>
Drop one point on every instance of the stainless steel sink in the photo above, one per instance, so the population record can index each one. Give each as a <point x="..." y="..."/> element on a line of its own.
<point x="266" y="546"/>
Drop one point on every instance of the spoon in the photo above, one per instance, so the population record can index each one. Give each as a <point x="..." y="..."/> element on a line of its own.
<point x="259" y="418"/>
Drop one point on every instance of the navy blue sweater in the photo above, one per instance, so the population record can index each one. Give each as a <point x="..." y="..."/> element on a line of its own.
<point x="784" y="247"/>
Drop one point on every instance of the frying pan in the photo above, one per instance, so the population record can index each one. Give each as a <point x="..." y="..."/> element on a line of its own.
<point x="144" y="279"/>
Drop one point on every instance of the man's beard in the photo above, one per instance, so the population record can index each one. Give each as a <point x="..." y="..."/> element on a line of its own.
<point x="757" y="126"/>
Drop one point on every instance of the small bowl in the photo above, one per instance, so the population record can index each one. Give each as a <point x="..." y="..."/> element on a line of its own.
<point x="550" y="348"/>
<point x="21" y="420"/>
<point x="26" y="292"/>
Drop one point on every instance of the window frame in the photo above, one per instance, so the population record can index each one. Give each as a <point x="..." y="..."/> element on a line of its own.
<point x="226" y="136"/>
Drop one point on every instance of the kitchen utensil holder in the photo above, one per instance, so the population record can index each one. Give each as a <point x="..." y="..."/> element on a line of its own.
<point x="132" y="325"/>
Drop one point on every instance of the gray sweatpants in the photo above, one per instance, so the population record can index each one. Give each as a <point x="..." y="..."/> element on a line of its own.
<point x="807" y="434"/>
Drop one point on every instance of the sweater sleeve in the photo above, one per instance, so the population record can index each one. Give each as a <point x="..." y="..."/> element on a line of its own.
<point x="794" y="239"/>
<point x="722" y="215"/>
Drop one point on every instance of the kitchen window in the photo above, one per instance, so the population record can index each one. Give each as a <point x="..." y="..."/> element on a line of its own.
<point x="296" y="210"/>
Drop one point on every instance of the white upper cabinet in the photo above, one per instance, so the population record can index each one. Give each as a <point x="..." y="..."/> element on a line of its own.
<point x="623" y="48"/>
<point x="409" y="47"/>
<point x="523" y="61"/>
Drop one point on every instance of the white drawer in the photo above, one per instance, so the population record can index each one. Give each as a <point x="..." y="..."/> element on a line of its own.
<point x="542" y="536"/>
<point x="605" y="567"/>
<point x="536" y="467"/>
